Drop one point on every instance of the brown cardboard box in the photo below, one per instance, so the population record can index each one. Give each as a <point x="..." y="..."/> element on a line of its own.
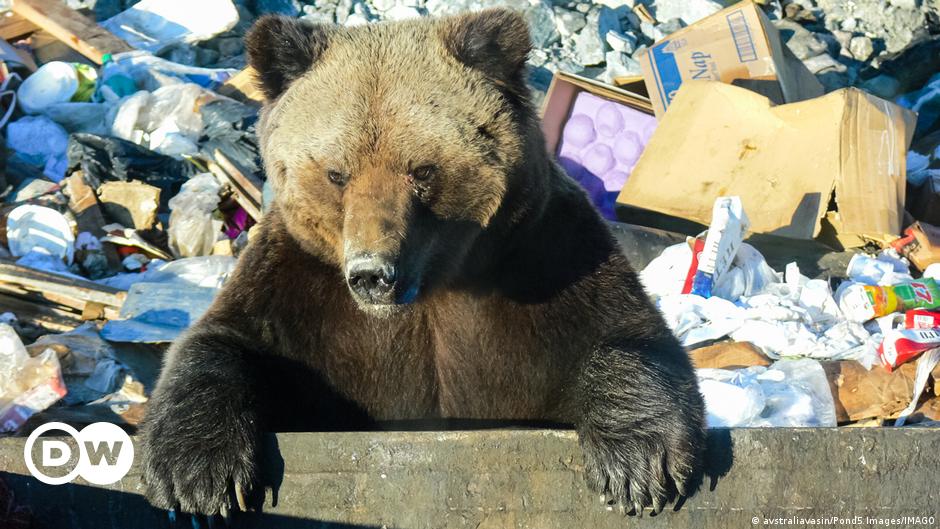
<point x="829" y="167"/>
<point x="920" y="244"/>
<point x="738" y="45"/>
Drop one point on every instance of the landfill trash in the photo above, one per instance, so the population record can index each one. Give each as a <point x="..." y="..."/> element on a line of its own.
<point x="902" y="345"/>
<point x="132" y="204"/>
<point x="56" y="82"/>
<point x="28" y="384"/>
<point x="788" y="393"/>
<point x="926" y="102"/>
<point x="885" y="269"/>
<point x="149" y="72"/>
<point x="103" y="159"/>
<point x="737" y="45"/>
<point x="193" y="229"/>
<point x="41" y="142"/>
<point x="921" y="319"/>
<point x="36" y="228"/>
<point x="725" y="234"/>
<point x="163" y="301"/>
<point x="789" y="162"/>
<point x="166" y="120"/>
<point x="920" y="244"/>
<point x="154" y="25"/>
<point x="861" y="303"/>
<point x="925" y="366"/>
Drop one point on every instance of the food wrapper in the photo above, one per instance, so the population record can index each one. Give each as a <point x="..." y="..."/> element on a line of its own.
<point x="861" y="303"/>
<point x="725" y="233"/>
<point x="902" y="345"/>
<point x="921" y="319"/>
<point x="27" y="384"/>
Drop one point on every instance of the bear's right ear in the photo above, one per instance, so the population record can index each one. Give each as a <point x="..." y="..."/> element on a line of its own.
<point x="281" y="49"/>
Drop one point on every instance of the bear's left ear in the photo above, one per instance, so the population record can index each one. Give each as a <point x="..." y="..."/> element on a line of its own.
<point x="494" y="41"/>
<point x="281" y="49"/>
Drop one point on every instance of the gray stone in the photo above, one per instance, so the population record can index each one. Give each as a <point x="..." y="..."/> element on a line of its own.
<point x="652" y="32"/>
<point x="861" y="48"/>
<point x="568" y="22"/>
<point x="898" y="24"/>
<point x="542" y="27"/>
<point x="614" y="4"/>
<point x="589" y="46"/>
<point x="690" y="11"/>
<point x="343" y="9"/>
<point x="621" y="42"/>
<point x="355" y="19"/>
<point x="383" y="5"/>
<point x="317" y="16"/>
<point x="802" y="42"/>
<point x="670" y="26"/>
<point x="823" y="63"/>
<point x="620" y="65"/>
<point x="402" y="12"/>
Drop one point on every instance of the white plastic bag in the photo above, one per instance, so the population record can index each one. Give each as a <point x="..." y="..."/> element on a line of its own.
<point x="154" y="25"/>
<point x="193" y="231"/>
<point x="166" y="121"/>
<point x="27" y="384"/>
<point x="787" y="393"/>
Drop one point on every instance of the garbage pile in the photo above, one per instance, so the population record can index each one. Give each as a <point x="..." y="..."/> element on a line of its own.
<point x="131" y="186"/>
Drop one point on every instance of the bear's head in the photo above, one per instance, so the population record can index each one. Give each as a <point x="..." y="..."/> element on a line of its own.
<point x="393" y="147"/>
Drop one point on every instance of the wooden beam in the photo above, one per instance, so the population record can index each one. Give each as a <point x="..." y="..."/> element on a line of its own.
<point x="75" y="293"/>
<point x="242" y="87"/>
<point x="72" y="28"/>
<point x="43" y="316"/>
<point x="246" y="187"/>
<point x="13" y="26"/>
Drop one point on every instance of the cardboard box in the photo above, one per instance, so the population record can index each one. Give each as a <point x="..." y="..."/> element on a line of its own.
<point x="920" y="244"/>
<point x="614" y="126"/>
<point x="738" y="45"/>
<point x="831" y="167"/>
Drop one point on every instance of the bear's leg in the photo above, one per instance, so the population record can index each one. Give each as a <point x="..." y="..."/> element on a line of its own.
<point x="640" y="421"/>
<point x="202" y="433"/>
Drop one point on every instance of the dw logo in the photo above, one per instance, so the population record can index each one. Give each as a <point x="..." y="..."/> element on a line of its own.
<point x="105" y="453"/>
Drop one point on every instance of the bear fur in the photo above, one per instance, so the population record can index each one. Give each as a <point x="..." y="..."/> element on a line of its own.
<point x="424" y="258"/>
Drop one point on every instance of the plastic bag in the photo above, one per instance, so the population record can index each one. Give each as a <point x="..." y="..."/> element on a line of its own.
<point x="105" y="159"/>
<point x="40" y="141"/>
<point x="167" y="121"/>
<point x="229" y="126"/>
<point x="788" y="393"/>
<point x="27" y="384"/>
<point x="193" y="231"/>
<point x="154" y="25"/>
<point x="149" y="72"/>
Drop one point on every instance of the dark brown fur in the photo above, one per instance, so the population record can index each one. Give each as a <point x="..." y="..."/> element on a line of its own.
<point x="525" y="309"/>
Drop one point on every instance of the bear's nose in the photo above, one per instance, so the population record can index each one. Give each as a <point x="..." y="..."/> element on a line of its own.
<point x="371" y="278"/>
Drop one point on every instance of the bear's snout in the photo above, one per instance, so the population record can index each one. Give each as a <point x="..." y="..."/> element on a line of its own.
<point x="372" y="279"/>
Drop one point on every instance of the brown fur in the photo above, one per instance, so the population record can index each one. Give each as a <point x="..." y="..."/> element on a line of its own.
<point x="524" y="307"/>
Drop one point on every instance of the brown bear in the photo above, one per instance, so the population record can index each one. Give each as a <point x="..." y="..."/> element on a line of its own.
<point x="424" y="258"/>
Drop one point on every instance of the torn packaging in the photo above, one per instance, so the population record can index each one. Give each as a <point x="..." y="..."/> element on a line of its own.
<point x="786" y="161"/>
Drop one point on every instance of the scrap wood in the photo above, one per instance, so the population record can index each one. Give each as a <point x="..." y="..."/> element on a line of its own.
<point x="13" y="26"/>
<point x="728" y="355"/>
<point x="246" y="187"/>
<point x="48" y="318"/>
<point x="71" y="292"/>
<point x="72" y="28"/>
<point x="242" y="87"/>
<point x="83" y="202"/>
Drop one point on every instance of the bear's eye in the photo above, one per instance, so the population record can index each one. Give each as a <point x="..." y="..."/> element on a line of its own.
<point x="423" y="173"/>
<point x="337" y="177"/>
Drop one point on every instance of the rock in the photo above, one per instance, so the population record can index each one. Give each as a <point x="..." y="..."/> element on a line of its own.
<point x="899" y="24"/>
<point x="883" y="86"/>
<point x="402" y="12"/>
<point x="343" y="9"/>
<point x="583" y="7"/>
<point x="620" y="65"/>
<point x="670" y="26"/>
<point x="588" y="44"/>
<point x="568" y="22"/>
<point x="290" y="8"/>
<point x="621" y="42"/>
<point x="355" y="19"/>
<point x="608" y="20"/>
<point x="690" y="11"/>
<point x="823" y="63"/>
<point x="312" y="14"/>
<point x="802" y="42"/>
<point x="383" y="5"/>
<point x="614" y="4"/>
<point x="132" y="204"/>
<point x="652" y="32"/>
<point x="542" y="27"/>
<point x="861" y="48"/>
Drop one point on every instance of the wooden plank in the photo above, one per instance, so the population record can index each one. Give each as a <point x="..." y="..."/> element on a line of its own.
<point x="13" y="26"/>
<point x="47" y="318"/>
<point x="72" y="28"/>
<point x="88" y="216"/>
<point x="68" y="291"/>
<point x="242" y="87"/>
<point x="246" y="187"/>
